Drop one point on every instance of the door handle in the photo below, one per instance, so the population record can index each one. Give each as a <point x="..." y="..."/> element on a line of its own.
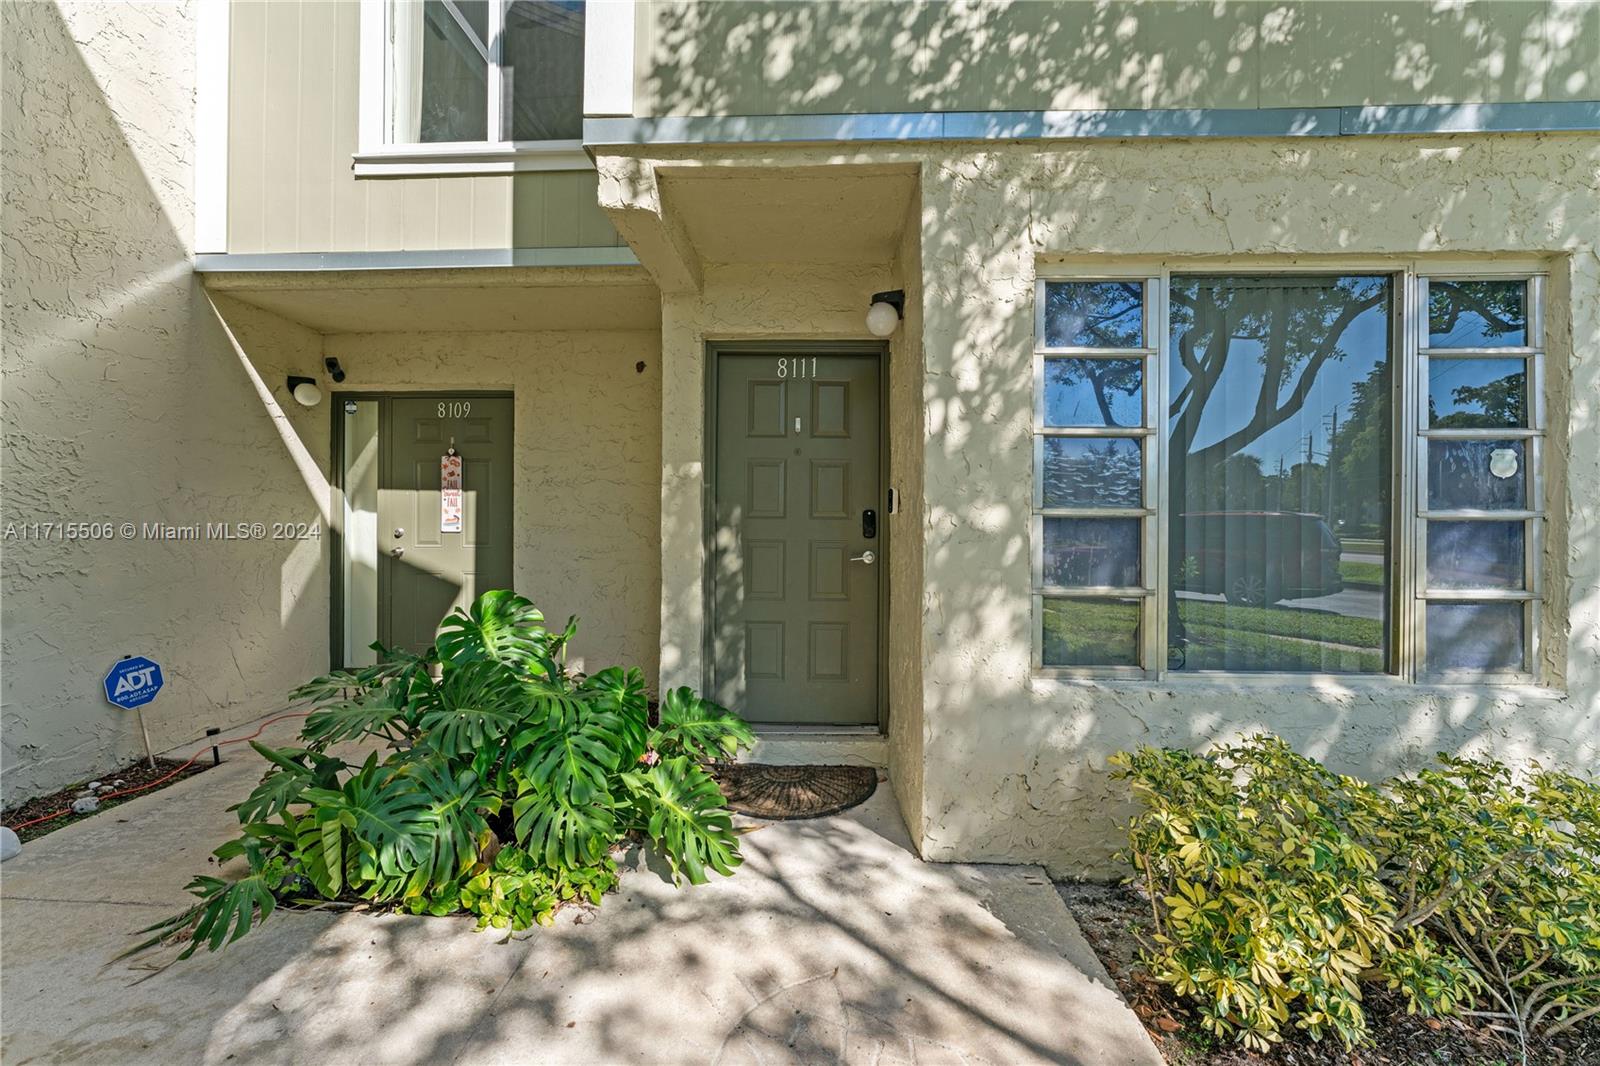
<point x="397" y="551"/>
<point x="867" y="557"/>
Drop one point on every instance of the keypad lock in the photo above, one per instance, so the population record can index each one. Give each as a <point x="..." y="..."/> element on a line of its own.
<point x="869" y="523"/>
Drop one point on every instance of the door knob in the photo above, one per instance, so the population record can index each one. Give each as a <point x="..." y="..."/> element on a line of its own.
<point x="397" y="551"/>
<point x="865" y="557"/>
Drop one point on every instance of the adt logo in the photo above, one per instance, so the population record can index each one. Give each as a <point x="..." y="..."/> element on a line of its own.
<point x="133" y="682"/>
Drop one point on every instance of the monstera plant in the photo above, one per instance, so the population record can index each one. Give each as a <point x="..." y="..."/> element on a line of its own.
<point x="480" y="776"/>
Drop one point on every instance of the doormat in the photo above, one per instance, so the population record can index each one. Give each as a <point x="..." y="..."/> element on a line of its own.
<point x="780" y="793"/>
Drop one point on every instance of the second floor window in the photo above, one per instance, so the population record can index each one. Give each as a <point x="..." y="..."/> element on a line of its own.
<point x="483" y="71"/>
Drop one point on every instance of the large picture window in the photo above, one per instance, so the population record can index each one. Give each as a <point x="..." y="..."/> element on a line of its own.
<point x="1224" y="479"/>
<point x="483" y="71"/>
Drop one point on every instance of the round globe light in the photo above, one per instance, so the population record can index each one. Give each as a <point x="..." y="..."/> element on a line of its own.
<point x="307" y="395"/>
<point x="882" y="319"/>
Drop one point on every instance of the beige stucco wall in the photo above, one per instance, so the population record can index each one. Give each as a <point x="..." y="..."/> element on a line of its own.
<point x="1016" y="766"/>
<point x="124" y="402"/>
<point x="585" y="465"/>
<point x="1013" y="767"/>
<point x="715" y="57"/>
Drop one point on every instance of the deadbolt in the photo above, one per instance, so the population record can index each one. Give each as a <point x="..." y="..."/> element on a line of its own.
<point x="398" y="532"/>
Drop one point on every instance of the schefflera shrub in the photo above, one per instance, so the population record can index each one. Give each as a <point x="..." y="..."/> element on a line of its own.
<point x="492" y="781"/>
<point x="1280" y="890"/>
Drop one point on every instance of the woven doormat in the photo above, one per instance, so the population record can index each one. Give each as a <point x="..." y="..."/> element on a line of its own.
<point x="780" y="793"/>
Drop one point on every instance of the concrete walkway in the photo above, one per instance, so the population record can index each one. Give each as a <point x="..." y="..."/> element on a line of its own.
<point x="833" y="943"/>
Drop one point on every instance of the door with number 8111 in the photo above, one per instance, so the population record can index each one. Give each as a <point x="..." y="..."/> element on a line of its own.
<point x="797" y="554"/>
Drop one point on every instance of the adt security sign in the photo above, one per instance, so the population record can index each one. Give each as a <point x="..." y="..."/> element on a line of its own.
<point x="133" y="682"/>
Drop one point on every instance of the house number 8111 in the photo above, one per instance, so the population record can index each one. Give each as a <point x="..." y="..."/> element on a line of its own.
<point x="796" y="367"/>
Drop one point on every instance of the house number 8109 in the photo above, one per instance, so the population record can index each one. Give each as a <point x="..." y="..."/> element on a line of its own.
<point x="455" y="409"/>
<point x="796" y="367"/>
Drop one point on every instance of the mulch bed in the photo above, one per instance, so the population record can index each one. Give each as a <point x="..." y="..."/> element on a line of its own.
<point x="1110" y="915"/>
<point x="130" y="776"/>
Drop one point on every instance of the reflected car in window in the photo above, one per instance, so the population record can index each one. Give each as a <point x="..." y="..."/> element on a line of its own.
<point x="1257" y="558"/>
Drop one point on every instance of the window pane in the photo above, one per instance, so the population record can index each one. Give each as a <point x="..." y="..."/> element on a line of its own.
<point x="1280" y="443"/>
<point x="1475" y="555"/>
<point x="1080" y="472"/>
<point x="1489" y="475"/>
<point x="543" y="59"/>
<point x="1477" y="393"/>
<point x="1094" y="314"/>
<point x="1091" y="552"/>
<point x="438" y="71"/>
<point x="1094" y="392"/>
<point x="1475" y="636"/>
<point x="1477" y="314"/>
<point x="1091" y="632"/>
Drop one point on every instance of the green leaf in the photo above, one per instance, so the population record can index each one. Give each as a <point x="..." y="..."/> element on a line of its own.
<point x="500" y="626"/>
<point x="698" y="728"/>
<point x="686" y="817"/>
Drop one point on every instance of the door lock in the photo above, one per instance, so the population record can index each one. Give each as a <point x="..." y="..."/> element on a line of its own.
<point x="397" y="551"/>
<point x="398" y="532"/>
<point x="868" y="557"/>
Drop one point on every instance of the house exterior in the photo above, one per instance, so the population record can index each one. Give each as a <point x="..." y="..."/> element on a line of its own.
<point x="1232" y="367"/>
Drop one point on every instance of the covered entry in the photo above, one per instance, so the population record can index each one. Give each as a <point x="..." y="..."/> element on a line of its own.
<point x="427" y="492"/>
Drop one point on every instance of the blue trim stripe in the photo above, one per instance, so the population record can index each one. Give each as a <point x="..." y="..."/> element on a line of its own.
<point x="415" y="260"/>
<point x="1566" y="116"/>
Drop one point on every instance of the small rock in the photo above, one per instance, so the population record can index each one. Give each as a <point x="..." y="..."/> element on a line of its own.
<point x="118" y="783"/>
<point x="105" y="788"/>
<point x="94" y="784"/>
<point x="9" y="844"/>
<point x="85" y="805"/>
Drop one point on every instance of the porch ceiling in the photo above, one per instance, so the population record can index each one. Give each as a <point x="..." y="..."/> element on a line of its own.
<point x="451" y="300"/>
<point x="834" y="214"/>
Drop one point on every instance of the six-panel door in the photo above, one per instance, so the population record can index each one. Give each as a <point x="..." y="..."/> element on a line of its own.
<point x="795" y="571"/>
<point x="427" y="570"/>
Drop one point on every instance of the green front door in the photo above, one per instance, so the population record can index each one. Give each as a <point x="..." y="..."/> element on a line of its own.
<point x="797" y="548"/>
<point x="428" y="566"/>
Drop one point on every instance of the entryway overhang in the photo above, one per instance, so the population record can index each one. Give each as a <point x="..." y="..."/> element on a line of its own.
<point x="683" y="216"/>
<point x="345" y="297"/>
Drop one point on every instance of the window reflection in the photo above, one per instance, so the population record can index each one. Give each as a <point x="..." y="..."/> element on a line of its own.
<point x="1085" y="472"/>
<point x="1280" y="438"/>
<point x="1094" y="314"/>
<point x="1477" y="393"/>
<point x="1477" y="314"/>
<point x="1093" y="392"/>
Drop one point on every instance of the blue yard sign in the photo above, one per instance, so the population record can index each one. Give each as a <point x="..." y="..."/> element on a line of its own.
<point x="133" y="682"/>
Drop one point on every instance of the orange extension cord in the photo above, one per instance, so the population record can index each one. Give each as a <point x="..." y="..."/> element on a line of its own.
<point x="189" y="762"/>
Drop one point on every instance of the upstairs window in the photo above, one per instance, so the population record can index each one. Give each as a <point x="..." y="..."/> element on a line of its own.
<point x="503" y="73"/>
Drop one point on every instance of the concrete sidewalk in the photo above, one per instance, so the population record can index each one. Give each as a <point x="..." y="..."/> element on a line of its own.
<point x="833" y="943"/>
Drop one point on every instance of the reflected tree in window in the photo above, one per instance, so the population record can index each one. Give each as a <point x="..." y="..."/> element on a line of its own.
<point x="1279" y="440"/>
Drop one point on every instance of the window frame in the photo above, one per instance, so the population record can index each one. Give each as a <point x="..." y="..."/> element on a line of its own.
<point x="376" y="156"/>
<point x="1408" y="594"/>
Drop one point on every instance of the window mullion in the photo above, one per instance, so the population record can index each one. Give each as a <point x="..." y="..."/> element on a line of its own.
<point x="1156" y="531"/>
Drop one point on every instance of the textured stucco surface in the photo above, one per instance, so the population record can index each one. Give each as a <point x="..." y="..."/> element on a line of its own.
<point x="752" y="57"/>
<point x="584" y="475"/>
<point x="124" y="402"/>
<point x="1016" y="765"/>
<point x="1013" y="766"/>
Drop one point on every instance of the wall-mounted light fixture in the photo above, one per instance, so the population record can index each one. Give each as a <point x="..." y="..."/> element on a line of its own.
<point x="335" y="371"/>
<point x="304" y="391"/>
<point x="887" y="309"/>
